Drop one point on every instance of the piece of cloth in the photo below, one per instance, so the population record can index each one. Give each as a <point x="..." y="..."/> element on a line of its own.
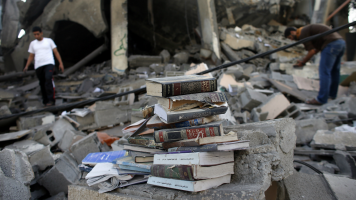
<point x="329" y="70"/>
<point x="43" y="51"/>
<point x="321" y="42"/>
<point x="45" y="77"/>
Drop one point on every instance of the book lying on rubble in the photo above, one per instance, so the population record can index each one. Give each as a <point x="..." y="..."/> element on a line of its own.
<point x="180" y="85"/>
<point x="103" y="157"/>
<point x="228" y="146"/>
<point x="141" y="156"/>
<point x="197" y="158"/>
<point x="156" y="123"/>
<point x="129" y="164"/>
<point x="140" y="148"/>
<point x="191" y="186"/>
<point x="192" y="172"/>
<point x="186" y="102"/>
<point x="200" y="141"/>
<point x="207" y="130"/>
<point x="147" y="141"/>
<point x="184" y="115"/>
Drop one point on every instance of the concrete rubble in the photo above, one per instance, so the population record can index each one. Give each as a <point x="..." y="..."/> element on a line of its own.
<point x="40" y="151"/>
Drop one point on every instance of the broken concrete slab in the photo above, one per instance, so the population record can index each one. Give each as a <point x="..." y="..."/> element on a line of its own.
<point x="343" y="188"/>
<point x="346" y="163"/>
<point x="14" y="135"/>
<point x="292" y="91"/>
<point x="106" y="114"/>
<point x="30" y="121"/>
<point x="12" y="189"/>
<point x="274" y="105"/>
<point x="65" y="172"/>
<point x="69" y="138"/>
<point x="59" y="128"/>
<point x="306" y="129"/>
<point x="334" y="140"/>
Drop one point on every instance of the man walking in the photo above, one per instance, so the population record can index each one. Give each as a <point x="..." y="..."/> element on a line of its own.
<point x="332" y="49"/>
<point x="41" y="51"/>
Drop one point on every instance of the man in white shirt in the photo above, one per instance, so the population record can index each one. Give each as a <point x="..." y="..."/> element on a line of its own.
<point x="41" y="50"/>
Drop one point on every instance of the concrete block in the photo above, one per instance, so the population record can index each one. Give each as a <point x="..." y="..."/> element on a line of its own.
<point x="344" y="188"/>
<point x="306" y="129"/>
<point x="181" y="58"/>
<point x="346" y="163"/>
<point x="126" y="99"/>
<point x="292" y="111"/>
<point x="166" y="56"/>
<point x="85" y="122"/>
<point x="257" y="115"/>
<point x="139" y="61"/>
<point x="250" y="99"/>
<point x="59" y="128"/>
<point x="274" y="66"/>
<point x="274" y="105"/>
<point x="69" y="138"/>
<point x="65" y="172"/>
<point x="43" y="134"/>
<point x="334" y="140"/>
<point x="12" y="189"/>
<point x="106" y="114"/>
<point x="15" y="165"/>
<point x="30" y="121"/>
<point x="86" y="145"/>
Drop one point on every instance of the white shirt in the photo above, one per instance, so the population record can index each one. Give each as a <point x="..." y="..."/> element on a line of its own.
<point x="43" y="51"/>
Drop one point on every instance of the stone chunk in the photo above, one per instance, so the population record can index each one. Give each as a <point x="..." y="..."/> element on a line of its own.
<point x="69" y="138"/>
<point x="334" y="140"/>
<point x="166" y="56"/>
<point x="181" y="58"/>
<point x="237" y="44"/>
<point x="30" y="121"/>
<point x="250" y="99"/>
<point x="292" y="111"/>
<point x="139" y="60"/>
<point x="13" y="135"/>
<point x="59" y="128"/>
<point x="62" y="174"/>
<point x="12" y="189"/>
<point x="273" y="106"/>
<point x="346" y="163"/>
<point x="306" y="129"/>
<point x="106" y="114"/>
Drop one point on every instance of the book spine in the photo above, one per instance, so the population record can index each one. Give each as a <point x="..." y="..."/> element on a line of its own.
<point x="167" y="145"/>
<point x="142" y="141"/>
<point x="203" y="148"/>
<point x="181" y="88"/>
<point x="167" y="135"/>
<point x="189" y="123"/>
<point x="174" y="118"/>
<point x="177" y="159"/>
<point x="132" y="168"/>
<point x="172" y="183"/>
<point x="182" y="172"/>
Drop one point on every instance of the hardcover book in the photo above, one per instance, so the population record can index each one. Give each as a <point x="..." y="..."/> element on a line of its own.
<point x="192" y="172"/>
<point x="200" y="141"/>
<point x="208" y="130"/>
<point x="141" y="149"/>
<point x="144" y="141"/>
<point x="129" y="164"/>
<point x="184" y="115"/>
<point x="103" y="157"/>
<point x="185" y="102"/>
<point x="180" y="85"/>
<point x="228" y="146"/>
<point x="140" y="157"/>
<point x="191" y="186"/>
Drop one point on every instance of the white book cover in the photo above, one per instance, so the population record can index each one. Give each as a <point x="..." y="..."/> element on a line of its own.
<point x="198" y="158"/>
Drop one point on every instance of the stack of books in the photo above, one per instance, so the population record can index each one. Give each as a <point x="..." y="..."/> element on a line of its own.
<point x="186" y="123"/>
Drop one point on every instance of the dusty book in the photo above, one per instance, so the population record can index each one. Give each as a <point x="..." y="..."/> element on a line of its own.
<point x="103" y="157"/>
<point x="144" y="141"/>
<point x="227" y="146"/>
<point x="198" y="158"/>
<point x="184" y="115"/>
<point x="127" y="163"/>
<point x="192" y="172"/>
<point x="156" y="123"/>
<point x="180" y="85"/>
<point x="185" y="102"/>
<point x="207" y="130"/>
<point x="191" y="186"/>
<point x="140" y="157"/>
<point x="141" y="149"/>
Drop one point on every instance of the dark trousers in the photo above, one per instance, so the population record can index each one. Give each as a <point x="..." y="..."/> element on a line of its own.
<point x="44" y="75"/>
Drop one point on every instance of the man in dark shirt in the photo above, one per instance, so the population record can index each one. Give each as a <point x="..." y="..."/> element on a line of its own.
<point x="332" y="49"/>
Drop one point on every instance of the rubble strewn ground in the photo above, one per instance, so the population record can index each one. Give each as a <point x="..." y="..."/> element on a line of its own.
<point x="291" y="143"/>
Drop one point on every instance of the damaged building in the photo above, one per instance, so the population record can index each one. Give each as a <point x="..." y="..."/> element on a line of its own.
<point x="111" y="49"/>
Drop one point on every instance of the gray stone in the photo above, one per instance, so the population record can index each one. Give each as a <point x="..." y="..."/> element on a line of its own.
<point x="334" y="140"/>
<point x="68" y="139"/>
<point x="139" y="61"/>
<point x="86" y="86"/>
<point x="30" y="121"/>
<point x="346" y="163"/>
<point x="250" y="99"/>
<point x="15" y="164"/>
<point x="62" y="174"/>
<point x="344" y="188"/>
<point x="14" y="135"/>
<point x="166" y="56"/>
<point x="306" y="129"/>
<point x="86" y="145"/>
<point x="106" y="114"/>
<point x="43" y="134"/>
<point x="181" y="58"/>
<point x="305" y="186"/>
<point x="59" y="128"/>
<point x="12" y="189"/>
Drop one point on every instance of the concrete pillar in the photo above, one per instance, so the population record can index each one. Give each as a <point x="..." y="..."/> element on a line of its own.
<point x="119" y="36"/>
<point x="209" y="26"/>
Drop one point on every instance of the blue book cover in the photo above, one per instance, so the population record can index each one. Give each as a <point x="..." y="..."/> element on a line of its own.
<point x="129" y="163"/>
<point x="102" y="157"/>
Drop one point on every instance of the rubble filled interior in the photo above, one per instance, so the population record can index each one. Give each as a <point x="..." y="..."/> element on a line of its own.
<point x="296" y="150"/>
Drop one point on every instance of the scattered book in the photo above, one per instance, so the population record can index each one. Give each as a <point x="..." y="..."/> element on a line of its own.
<point x="198" y="158"/>
<point x="129" y="164"/>
<point x="192" y="172"/>
<point x="228" y="146"/>
<point x="141" y="149"/>
<point x="140" y="157"/>
<point x="144" y="141"/>
<point x="185" y="102"/>
<point x="156" y="123"/>
<point x="191" y="186"/>
<point x="184" y="115"/>
<point x="103" y="157"/>
<point x="207" y="130"/>
<point x="180" y="85"/>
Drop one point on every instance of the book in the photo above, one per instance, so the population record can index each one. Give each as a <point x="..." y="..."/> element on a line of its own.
<point x="192" y="172"/>
<point x="191" y="186"/>
<point x="141" y="149"/>
<point x="228" y="146"/>
<point x="156" y="123"/>
<point x="198" y="158"/>
<point x="180" y="85"/>
<point x="185" y="102"/>
<point x="194" y="132"/>
<point x="184" y="115"/>
<point x="103" y="157"/>
<point x="200" y="141"/>
<point x="129" y="164"/>
<point x="140" y="157"/>
<point x="144" y="141"/>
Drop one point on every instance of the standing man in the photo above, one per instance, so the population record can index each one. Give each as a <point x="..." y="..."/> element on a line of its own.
<point x="41" y="51"/>
<point x="332" y="49"/>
